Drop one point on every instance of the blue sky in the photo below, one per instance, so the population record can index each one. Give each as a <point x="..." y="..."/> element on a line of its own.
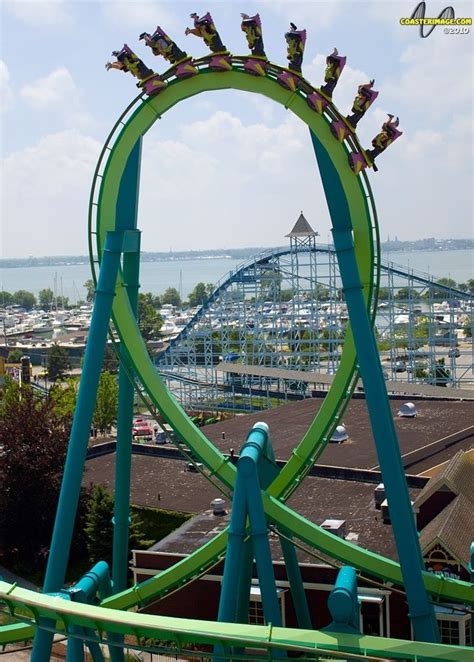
<point x="59" y="103"/>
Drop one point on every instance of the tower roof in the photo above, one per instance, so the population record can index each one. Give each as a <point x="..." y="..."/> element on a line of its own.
<point x="302" y="228"/>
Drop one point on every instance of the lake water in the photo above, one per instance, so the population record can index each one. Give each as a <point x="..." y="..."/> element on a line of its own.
<point x="156" y="277"/>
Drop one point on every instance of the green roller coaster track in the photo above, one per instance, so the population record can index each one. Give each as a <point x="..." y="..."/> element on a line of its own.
<point x="137" y="119"/>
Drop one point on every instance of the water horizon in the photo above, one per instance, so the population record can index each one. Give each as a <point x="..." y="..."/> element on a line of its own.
<point x="184" y="273"/>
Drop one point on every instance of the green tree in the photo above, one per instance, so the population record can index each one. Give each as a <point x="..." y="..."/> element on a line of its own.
<point x="14" y="356"/>
<point x="406" y="293"/>
<point x="270" y="283"/>
<point x="90" y="287"/>
<point x="64" y="398"/>
<point x="420" y="373"/>
<point x="62" y="302"/>
<point x="57" y="361"/>
<point x="105" y="413"/>
<point x="111" y="362"/>
<point x="199" y="295"/>
<point x="149" y="320"/>
<point x="468" y="286"/>
<point x="321" y="293"/>
<point x="5" y="298"/>
<point x="286" y="295"/>
<point x="384" y="294"/>
<point x="152" y="299"/>
<point x="34" y="440"/>
<point x="467" y="328"/>
<point x="99" y="528"/>
<point x="171" y="296"/>
<point x="439" y="293"/>
<point x="24" y="299"/>
<point x="46" y="298"/>
<point x="439" y="374"/>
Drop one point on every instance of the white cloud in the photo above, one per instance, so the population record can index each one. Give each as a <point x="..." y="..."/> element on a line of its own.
<point x="59" y="93"/>
<point x="436" y="76"/>
<point x="424" y="186"/>
<point x="45" y="195"/>
<point x="228" y="183"/>
<point x="140" y="14"/>
<point x="320" y="13"/>
<point x="36" y="13"/>
<point x="6" y="91"/>
<point x="53" y="89"/>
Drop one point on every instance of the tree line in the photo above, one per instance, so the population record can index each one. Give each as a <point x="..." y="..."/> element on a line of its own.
<point x="34" y="436"/>
<point x="47" y="300"/>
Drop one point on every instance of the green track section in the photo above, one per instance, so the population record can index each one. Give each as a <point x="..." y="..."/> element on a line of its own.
<point x="143" y="118"/>
<point x="317" y="434"/>
<point x="183" y="631"/>
<point x="319" y="431"/>
<point x="136" y="121"/>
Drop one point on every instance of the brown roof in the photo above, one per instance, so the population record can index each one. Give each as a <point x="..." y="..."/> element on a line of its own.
<point x="457" y="476"/>
<point x="289" y="422"/>
<point x="164" y="483"/>
<point x="318" y="500"/>
<point x="302" y="228"/>
<point x="453" y="528"/>
<point x="156" y="482"/>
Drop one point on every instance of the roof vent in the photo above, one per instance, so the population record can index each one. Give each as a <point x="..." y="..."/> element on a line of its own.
<point x="386" y="514"/>
<point x="407" y="410"/>
<point x="194" y="467"/>
<point x="353" y="537"/>
<point x="384" y="511"/>
<point x="218" y="506"/>
<point x="339" y="435"/>
<point x="335" y="526"/>
<point x="379" y="495"/>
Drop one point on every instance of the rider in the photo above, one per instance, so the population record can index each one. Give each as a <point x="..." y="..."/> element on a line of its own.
<point x="161" y="44"/>
<point x="204" y="27"/>
<point x="252" y="26"/>
<point x="296" y="40"/>
<point x="363" y="98"/>
<point x="383" y="139"/>
<point x="332" y="73"/>
<point x="128" y="61"/>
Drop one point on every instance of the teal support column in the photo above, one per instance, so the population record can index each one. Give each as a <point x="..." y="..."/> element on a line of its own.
<point x="471" y="569"/>
<point x="343" y="602"/>
<point x="261" y="546"/>
<point x="246" y="572"/>
<point x="127" y="209"/>
<point x="298" y="594"/>
<point x="247" y="503"/>
<point x="79" y="439"/>
<point x="406" y="537"/>
<point x="235" y="557"/>
<point x="94" y="583"/>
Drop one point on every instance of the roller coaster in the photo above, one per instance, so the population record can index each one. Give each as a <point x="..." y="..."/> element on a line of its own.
<point x="95" y="610"/>
<point x="250" y="319"/>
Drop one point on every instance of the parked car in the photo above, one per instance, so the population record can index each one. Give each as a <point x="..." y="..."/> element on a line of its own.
<point x="454" y="352"/>
<point x="400" y="366"/>
<point x="141" y="428"/>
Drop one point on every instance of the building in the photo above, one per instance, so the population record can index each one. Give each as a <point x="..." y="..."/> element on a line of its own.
<point x="343" y="486"/>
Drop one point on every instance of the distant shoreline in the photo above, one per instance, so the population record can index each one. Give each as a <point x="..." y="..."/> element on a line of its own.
<point x="234" y="253"/>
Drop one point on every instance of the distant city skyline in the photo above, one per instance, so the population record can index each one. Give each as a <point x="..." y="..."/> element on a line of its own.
<point x="415" y="245"/>
<point x="226" y="169"/>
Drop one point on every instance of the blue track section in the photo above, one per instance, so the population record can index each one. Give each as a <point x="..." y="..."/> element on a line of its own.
<point x="243" y="274"/>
